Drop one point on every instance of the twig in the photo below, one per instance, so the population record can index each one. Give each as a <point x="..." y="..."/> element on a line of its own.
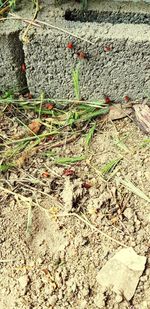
<point x="87" y="222"/>
<point x="66" y="141"/>
<point x="29" y="201"/>
<point x="38" y="22"/>
<point x="63" y="30"/>
<point x="20" y="18"/>
<point x="24" y="36"/>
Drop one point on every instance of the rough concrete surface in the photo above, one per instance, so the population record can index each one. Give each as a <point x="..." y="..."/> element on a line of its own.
<point x="11" y="51"/>
<point x="117" y="61"/>
<point x="124" y="70"/>
<point x="11" y="58"/>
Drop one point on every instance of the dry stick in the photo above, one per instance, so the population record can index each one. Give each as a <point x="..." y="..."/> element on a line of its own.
<point x="65" y="215"/>
<point x="24" y="36"/>
<point x="64" y="142"/>
<point x="62" y="30"/>
<point x="93" y="227"/>
<point x="38" y="22"/>
<point x="20" y="18"/>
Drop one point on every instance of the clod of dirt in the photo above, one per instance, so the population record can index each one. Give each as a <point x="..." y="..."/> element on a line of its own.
<point x="122" y="273"/>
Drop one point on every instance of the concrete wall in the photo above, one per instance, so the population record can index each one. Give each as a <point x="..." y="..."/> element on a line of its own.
<point x="11" y="59"/>
<point x="124" y="70"/>
<point x="117" y="64"/>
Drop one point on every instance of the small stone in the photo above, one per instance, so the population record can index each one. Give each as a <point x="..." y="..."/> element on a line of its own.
<point x="52" y="300"/>
<point x="122" y="272"/>
<point x="99" y="301"/>
<point x="85" y="292"/>
<point x="128" y="213"/>
<point x="119" y="298"/>
<point x="39" y="261"/>
<point x="143" y="278"/>
<point x="23" y="281"/>
<point x="83" y="304"/>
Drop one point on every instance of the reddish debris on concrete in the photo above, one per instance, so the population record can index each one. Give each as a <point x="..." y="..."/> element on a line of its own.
<point x="107" y="48"/>
<point x="126" y="98"/>
<point x="107" y="100"/>
<point x="70" y="45"/>
<point x="23" y="68"/>
<point x="81" y="55"/>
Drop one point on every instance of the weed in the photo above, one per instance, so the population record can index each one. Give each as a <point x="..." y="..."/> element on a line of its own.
<point x="145" y="143"/>
<point x="110" y="166"/>
<point x="7" y="5"/>
<point x="67" y="160"/>
<point x="75" y="77"/>
<point x="90" y="134"/>
<point x="131" y="187"/>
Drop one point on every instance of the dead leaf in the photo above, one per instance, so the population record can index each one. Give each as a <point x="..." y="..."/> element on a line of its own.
<point x="142" y="114"/>
<point x="118" y="111"/>
<point x="34" y="126"/>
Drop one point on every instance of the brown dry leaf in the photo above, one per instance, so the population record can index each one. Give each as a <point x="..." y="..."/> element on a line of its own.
<point x="142" y="114"/>
<point x="118" y="111"/>
<point x="34" y="126"/>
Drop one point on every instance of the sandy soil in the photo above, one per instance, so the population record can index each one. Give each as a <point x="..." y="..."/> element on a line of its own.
<point x="55" y="263"/>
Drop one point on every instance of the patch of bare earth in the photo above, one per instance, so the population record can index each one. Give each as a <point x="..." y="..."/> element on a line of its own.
<point x="55" y="264"/>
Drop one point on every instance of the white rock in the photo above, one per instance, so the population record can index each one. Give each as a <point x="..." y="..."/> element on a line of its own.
<point x="119" y="298"/>
<point x="83" y="304"/>
<point x="99" y="301"/>
<point x="128" y="213"/>
<point x="122" y="272"/>
<point x="52" y="300"/>
<point x="23" y="281"/>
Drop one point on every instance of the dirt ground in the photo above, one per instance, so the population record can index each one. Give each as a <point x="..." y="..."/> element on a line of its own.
<point x="55" y="264"/>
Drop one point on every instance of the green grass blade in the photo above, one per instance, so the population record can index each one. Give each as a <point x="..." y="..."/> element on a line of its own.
<point x="67" y="160"/>
<point x="96" y="113"/>
<point x="90" y="134"/>
<point x="120" y="144"/>
<point x="31" y="138"/>
<point x="75" y="77"/>
<point x="131" y="187"/>
<point x="49" y="154"/>
<point x="146" y="142"/>
<point x="110" y="166"/>
<point x="6" y="167"/>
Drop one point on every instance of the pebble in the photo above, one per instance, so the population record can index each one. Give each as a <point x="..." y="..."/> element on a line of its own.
<point x="83" y="304"/>
<point x="85" y="292"/>
<point x="99" y="301"/>
<point x="23" y="281"/>
<point x="143" y="278"/>
<point x="118" y="298"/>
<point x="128" y="213"/>
<point x="52" y="300"/>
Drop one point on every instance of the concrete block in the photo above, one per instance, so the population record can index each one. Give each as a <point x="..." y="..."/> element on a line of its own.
<point x="11" y="50"/>
<point x="122" y="70"/>
<point x="11" y="59"/>
<point x="117" y="49"/>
